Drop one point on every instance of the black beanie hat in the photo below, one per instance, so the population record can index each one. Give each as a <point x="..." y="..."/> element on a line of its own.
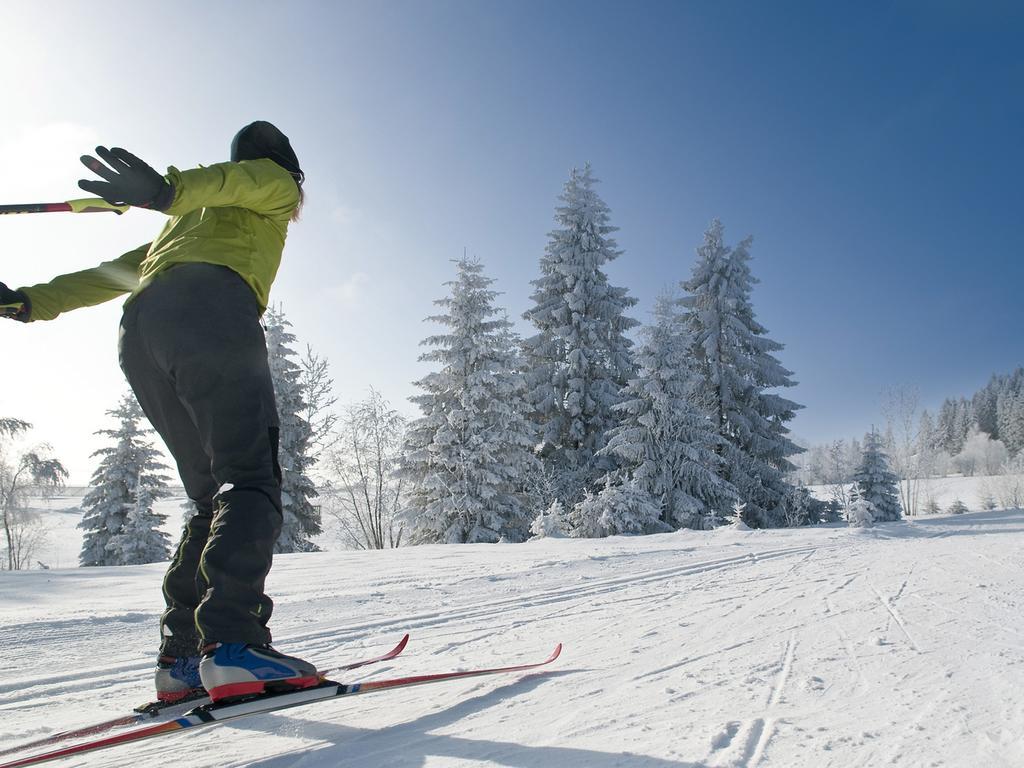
<point x="262" y="139"/>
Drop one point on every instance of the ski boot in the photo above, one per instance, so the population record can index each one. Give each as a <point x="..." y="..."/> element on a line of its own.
<point x="177" y="678"/>
<point x="235" y="670"/>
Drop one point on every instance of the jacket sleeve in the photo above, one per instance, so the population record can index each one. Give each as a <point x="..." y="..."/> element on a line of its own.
<point x="261" y="186"/>
<point x="86" y="288"/>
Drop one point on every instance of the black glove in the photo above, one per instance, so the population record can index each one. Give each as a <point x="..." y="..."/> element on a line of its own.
<point x="14" y="304"/>
<point x="129" y="181"/>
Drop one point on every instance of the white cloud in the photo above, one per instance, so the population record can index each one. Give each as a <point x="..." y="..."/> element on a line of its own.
<point x="351" y="292"/>
<point x="345" y="215"/>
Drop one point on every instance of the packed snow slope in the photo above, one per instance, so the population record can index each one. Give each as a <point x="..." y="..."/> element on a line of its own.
<point x="901" y="646"/>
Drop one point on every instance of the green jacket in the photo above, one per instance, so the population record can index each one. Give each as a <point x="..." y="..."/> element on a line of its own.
<point x="232" y="214"/>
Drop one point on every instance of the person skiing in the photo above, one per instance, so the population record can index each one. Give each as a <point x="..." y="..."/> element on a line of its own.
<point x="193" y="350"/>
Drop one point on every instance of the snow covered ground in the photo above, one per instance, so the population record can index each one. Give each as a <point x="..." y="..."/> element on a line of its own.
<point x="901" y="646"/>
<point x="61" y="513"/>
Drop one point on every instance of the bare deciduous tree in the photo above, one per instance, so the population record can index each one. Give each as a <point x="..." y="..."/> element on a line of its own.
<point x="318" y="395"/>
<point x="1010" y="486"/>
<point x="838" y="473"/>
<point x="366" y="496"/>
<point x="23" y="530"/>
<point x="900" y="411"/>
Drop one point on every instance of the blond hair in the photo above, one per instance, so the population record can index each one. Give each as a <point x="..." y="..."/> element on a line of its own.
<point x="302" y="200"/>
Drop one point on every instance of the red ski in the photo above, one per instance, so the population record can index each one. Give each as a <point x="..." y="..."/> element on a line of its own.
<point x="212" y="714"/>
<point x="157" y="709"/>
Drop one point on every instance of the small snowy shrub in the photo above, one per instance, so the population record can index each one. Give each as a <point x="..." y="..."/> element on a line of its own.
<point x="550" y="523"/>
<point x="583" y="518"/>
<point x="800" y="508"/>
<point x="706" y="522"/>
<point x="617" y="509"/>
<point x="833" y="511"/>
<point x="988" y="502"/>
<point x="861" y="514"/>
<point x="931" y="507"/>
<point x="958" y="508"/>
<point x="1010" y="486"/>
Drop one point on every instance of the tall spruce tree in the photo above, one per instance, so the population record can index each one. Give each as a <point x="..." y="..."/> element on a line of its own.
<point x="469" y="455"/>
<point x="874" y="481"/>
<point x="1010" y="416"/>
<point x="927" y="433"/>
<point x="985" y="403"/>
<point x="301" y="518"/>
<point x="665" y="440"/>
<point x="121" y="527"/>
<point x="964" y="422"/>
<point x="737" y="368"/>
<point x="946" y="428"/>
<point x="580" y="359"/>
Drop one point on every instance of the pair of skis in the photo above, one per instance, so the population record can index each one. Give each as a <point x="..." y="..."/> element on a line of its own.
<point x="207" y="713"/>
<point x="157" y="709"/>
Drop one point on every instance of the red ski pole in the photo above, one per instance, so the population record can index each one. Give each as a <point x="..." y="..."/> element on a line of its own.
<point x="87" y="205"/>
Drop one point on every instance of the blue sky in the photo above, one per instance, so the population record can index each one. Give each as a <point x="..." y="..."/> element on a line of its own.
<point x="873" y="150"/>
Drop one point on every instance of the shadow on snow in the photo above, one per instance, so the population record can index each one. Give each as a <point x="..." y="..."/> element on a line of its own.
<point x="967" y="524"/>
<point x="410" y="744"/>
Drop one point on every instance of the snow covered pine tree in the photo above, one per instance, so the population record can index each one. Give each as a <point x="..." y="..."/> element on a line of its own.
<point x="120" y="524"/>
<point x="301" y="518"/>
<point x="875" y="483"/>
<point x="468" y="456"/>
<point x="581" y="358"/>
<point x="735" y="360"/>
<point x="665" y="441"/>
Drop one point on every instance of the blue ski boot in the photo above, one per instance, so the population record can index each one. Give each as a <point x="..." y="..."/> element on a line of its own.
<point x="232" y="670"/>
<point x="177" y="678"/>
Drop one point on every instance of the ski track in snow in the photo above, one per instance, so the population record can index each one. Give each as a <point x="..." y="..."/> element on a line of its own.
<point x="895" y="614"/>
<point x="761" y="730"/>
<point x="723" y="649"/>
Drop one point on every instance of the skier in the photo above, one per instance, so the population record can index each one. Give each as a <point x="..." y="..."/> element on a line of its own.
<point x="193" y="350"/>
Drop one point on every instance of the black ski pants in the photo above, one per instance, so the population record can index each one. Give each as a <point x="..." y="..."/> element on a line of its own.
<point x="194" y="352"/>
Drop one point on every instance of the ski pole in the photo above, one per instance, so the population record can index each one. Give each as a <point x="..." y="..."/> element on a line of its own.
<point x="86" y="205"/>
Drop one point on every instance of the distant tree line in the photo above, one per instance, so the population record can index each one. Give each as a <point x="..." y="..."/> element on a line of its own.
<point x="997" y="410"/>
<point x="982" y="434"/>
